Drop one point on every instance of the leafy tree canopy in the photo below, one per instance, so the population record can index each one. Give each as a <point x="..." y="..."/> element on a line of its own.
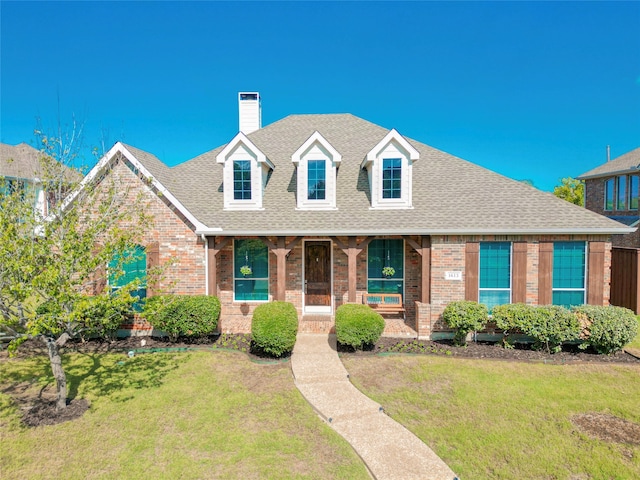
<point x="571" y="190"/>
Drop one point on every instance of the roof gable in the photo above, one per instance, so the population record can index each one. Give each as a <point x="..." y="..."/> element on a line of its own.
<point x="627" y="163"/>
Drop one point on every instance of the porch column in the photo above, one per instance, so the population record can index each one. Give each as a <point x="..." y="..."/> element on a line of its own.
<point x="213" y="249"/>
<point x="281" y="250"/>
<point x="424" y="250"/>
<point x="352" y="250"/>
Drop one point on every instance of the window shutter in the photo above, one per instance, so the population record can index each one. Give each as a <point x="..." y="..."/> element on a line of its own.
<point x="153" y="260"/>
<point x="595" y="280"/>
<point x="545" y="273"/>
<point x="519" y="271"/>
<point x="472" y="256"/>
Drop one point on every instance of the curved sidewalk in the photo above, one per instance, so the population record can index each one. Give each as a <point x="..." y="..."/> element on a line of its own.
<point x="389" y="450"/>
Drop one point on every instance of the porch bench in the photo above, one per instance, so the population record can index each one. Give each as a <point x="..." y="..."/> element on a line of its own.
<point x="385" y="303"/>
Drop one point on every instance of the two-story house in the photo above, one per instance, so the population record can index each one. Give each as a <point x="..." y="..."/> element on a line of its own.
<point x="312" y="208"/>
<point x="612" y="189"/>
<point x="20" y="169"/>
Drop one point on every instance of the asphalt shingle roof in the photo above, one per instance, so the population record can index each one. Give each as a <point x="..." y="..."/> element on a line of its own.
<point x="450" y="195"/>
<point x="628" y="162"/>
<point x="19" y="161"/>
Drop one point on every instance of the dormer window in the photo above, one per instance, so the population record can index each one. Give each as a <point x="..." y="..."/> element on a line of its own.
<point x="389" y="166"/>
<point x="246" y="170"/>
<point x="317" y="166"/>
<point x="242" y="179"/>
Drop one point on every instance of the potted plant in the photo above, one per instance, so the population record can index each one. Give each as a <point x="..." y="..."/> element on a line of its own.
<point x="388" y="271"/>
<point x="245" y="270"/>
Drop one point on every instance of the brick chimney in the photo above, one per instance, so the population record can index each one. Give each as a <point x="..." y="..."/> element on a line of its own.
<point x="250" y="112"/>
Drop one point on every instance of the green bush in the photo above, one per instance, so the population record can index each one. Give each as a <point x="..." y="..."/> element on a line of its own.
<point x="606" y="329"/>
<point x="464" y="317"/>
<point x="274" y="327"/>
<point x="183" y="315"/>
<point x="512" y="318"/>
<point x="358" y="325"/>
<point x="552" y="325"/>
<point x="101" y="315"/>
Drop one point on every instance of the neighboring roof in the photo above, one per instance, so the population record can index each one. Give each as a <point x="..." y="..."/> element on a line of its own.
<point x="627" y="163"/>
<point x="450" y="195"/>
<point x="19" y="161"/>
<point x="628" y="220"/>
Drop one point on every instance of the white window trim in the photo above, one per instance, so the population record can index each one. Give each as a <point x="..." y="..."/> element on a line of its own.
<point x="316" y="147"/>
<point x="393" y="145"/>
<point x="510" y="289"/>
<point x="241" y="148"/>
<point x="233" y="247"/>
<point x="585" y="281"/>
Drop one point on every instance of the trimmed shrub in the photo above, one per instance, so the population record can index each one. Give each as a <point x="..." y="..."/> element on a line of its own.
<point x="101" y="315"/>
<point x="465" y="316"/>
<point x="358" y="325"/>
<point x="606" y="329"/>
<point x="274" y="327"/>
<point x="183" y="315"/>
<point x="551" y="326"/>
<point x="512" y="318"/>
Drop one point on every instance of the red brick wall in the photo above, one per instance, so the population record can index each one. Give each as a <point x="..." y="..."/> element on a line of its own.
<point x="181" y="251"/>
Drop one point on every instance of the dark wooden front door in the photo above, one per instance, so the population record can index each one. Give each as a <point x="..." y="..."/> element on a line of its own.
<point x="317" y="273"/>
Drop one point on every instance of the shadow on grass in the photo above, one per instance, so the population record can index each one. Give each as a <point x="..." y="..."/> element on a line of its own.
<point x="99" y="375"/>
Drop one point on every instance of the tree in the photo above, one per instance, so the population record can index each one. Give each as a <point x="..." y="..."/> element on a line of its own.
<point x="571" y="190"/>
<point x="48" y="263"/>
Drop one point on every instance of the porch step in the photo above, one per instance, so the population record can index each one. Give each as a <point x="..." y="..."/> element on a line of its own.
<point x="323" y="324"/>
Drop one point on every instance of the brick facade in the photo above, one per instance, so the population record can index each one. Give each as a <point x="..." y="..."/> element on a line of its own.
<point x="594" y="201"/>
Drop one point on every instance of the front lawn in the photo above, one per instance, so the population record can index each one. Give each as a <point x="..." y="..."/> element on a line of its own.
<point x="182" y="415"/>
<point x="506" y="420"/>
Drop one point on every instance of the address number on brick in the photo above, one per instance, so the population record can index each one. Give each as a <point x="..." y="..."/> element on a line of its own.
<point x="457" y="276"/>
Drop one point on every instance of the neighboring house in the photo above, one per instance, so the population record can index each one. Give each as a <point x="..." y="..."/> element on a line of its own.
<point x="613" y="189"/>
<point x="311" y="208"/>
<point x="20" y="167"/>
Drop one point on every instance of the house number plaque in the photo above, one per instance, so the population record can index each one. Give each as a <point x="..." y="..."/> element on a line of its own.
<point x="456" y="276"/>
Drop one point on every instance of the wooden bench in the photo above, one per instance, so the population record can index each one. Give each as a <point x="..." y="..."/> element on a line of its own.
<point x="385" y="303"/>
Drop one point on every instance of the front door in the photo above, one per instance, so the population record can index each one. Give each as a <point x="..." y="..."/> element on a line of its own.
<point x="317" y="276"/>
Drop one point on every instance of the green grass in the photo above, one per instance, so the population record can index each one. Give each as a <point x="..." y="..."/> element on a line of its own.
<point x="182" y="415"/>
<point x="502" y="420"/>
<point x="636" y="342"/>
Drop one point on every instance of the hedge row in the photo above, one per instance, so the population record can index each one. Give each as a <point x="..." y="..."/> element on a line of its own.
<point x="605" y="329"/>
<point x="183" y="315"/>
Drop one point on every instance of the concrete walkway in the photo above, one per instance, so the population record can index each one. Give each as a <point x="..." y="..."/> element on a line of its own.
<point x="388" y="449"/>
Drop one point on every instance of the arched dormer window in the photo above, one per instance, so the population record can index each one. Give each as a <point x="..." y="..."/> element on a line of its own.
<point x="317" y="165"/>
<point x="246" y="170"/>
<point x="389" y="166"/>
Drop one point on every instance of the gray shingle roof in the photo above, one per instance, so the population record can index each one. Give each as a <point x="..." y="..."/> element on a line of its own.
<point x="450" y="195"/>
<point x="19" y="161"/>
<point x="627" y="163"/>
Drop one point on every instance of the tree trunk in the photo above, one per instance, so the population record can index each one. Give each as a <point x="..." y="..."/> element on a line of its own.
<point x="58" y="372"/>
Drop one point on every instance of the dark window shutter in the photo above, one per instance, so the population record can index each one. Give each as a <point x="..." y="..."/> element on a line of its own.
<point x="545" y="273"/>
<point x="472" y="256"/>
<point x="595" y="280"/>
<point x="519" y="271"/>
<point x="153" y="260"/>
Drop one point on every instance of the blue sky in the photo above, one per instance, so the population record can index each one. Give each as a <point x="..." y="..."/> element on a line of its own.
<point x="531" y="90"/>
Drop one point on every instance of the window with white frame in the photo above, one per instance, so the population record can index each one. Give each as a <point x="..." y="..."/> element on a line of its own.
<point x="245" y="173"/>
<point x="250" y="270"/>
<point x="385" y="266"/>
<point x="494" y="274"/>
<point x="389" y="168"/>
<point x="569" y="273"/>
<point x="316" y="171"/>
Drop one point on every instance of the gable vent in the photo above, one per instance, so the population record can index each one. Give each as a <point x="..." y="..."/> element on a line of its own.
<point x="250" y="112"/>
